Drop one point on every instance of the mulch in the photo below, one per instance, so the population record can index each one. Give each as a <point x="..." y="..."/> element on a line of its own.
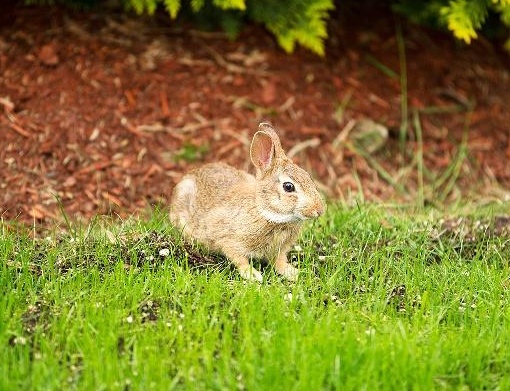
<point x="102" y="112"/>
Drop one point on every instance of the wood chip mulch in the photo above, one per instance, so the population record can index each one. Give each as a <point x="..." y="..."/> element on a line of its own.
<point x="102" y="112"/>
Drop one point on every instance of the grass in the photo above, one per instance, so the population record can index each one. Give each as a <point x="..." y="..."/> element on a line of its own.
<point x="386" y="300"/>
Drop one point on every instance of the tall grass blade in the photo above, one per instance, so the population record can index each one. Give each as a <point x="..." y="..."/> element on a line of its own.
<point x="404" y="115"/>
<point x="419" y="158"/>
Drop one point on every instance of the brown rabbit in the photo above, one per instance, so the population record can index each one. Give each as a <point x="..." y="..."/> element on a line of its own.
<point x="244" y="216"/>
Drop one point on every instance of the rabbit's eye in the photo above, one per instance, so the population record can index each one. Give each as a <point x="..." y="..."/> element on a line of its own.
<point x="289" y="187"/>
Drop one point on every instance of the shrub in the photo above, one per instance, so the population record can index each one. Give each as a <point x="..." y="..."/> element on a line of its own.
<point x="292" y="22"/>
<point x="464" y="18"/>
<point x="303" y="22"/>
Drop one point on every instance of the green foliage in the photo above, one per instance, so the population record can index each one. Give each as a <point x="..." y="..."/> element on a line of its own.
<point x="173" y="6"/>
<point x="191" y="153"/>
<point x="503" y="8"/>
<point x="207" y="16"/>
<point x="304" y="22"/>
<point x="464" y="18"/>
<point x="301" y="22"/>
<point x="420" y="12"/>
<point x="293" y="22"/>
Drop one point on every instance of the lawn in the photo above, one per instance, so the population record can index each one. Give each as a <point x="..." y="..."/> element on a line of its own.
<point x="388" y="299"/>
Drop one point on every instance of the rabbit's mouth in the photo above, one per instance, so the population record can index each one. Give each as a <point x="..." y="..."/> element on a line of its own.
<point x="312" y="215"/>
<point x="281" y="218"/>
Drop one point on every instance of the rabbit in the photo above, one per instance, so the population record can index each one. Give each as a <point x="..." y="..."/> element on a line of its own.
<point x="245" y="216"/>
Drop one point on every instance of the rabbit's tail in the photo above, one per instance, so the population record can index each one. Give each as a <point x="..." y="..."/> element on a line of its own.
<point x="183" y="202"/>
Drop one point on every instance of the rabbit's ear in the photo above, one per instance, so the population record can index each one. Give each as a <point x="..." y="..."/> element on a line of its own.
<point x="262" y="151"/>
<point x="266" y="148"/>
<point x="269" y="130"/>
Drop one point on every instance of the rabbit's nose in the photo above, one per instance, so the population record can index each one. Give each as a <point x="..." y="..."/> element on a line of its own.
<point x="317" y="209"/>
<point x="320" y="210"/>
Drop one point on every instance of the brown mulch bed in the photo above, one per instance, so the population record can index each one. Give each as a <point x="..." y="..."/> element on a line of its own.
<point x="102" y="112"/>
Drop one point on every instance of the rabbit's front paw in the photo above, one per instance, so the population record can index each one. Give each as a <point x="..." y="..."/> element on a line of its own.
<point x="250" y="273"/>
<point x="288" y="271"/>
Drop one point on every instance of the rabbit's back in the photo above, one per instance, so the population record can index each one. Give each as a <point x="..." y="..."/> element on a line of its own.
<point x="206" y="198"/>
<point x="218" y="179"/>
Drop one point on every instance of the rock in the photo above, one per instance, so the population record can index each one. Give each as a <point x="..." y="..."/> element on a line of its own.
<point x="369" y="135"/>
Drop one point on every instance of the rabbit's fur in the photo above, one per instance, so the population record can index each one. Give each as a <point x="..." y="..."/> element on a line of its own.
<point x="245" y="216"/>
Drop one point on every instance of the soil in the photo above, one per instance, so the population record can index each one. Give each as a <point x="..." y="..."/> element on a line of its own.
<point x="102" y="112"/>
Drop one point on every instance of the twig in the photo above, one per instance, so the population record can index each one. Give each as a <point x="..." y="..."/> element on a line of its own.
<point x="286" y="105"/>
<point x="343" y="134"/>
<point x="124" y="122"/>
<point x="95" y="167"/>
<point x="164" y="103"/>
<point x="13" y="121"/>
<point x="227" y="148"/>
<point x="194" y="127"/>
<point x="18" y="129"/>
<point x="230" y="66"/>
<point x="76" y="29"/>
<point x="193" y="63"/>
<point x="174" y="131"/>
<point x="154" y="128"/>
<point x="313" y="142"/>
<point x="241" y="137"/>
<point x="7" y="104"/>
<point x="113" y="199"/>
